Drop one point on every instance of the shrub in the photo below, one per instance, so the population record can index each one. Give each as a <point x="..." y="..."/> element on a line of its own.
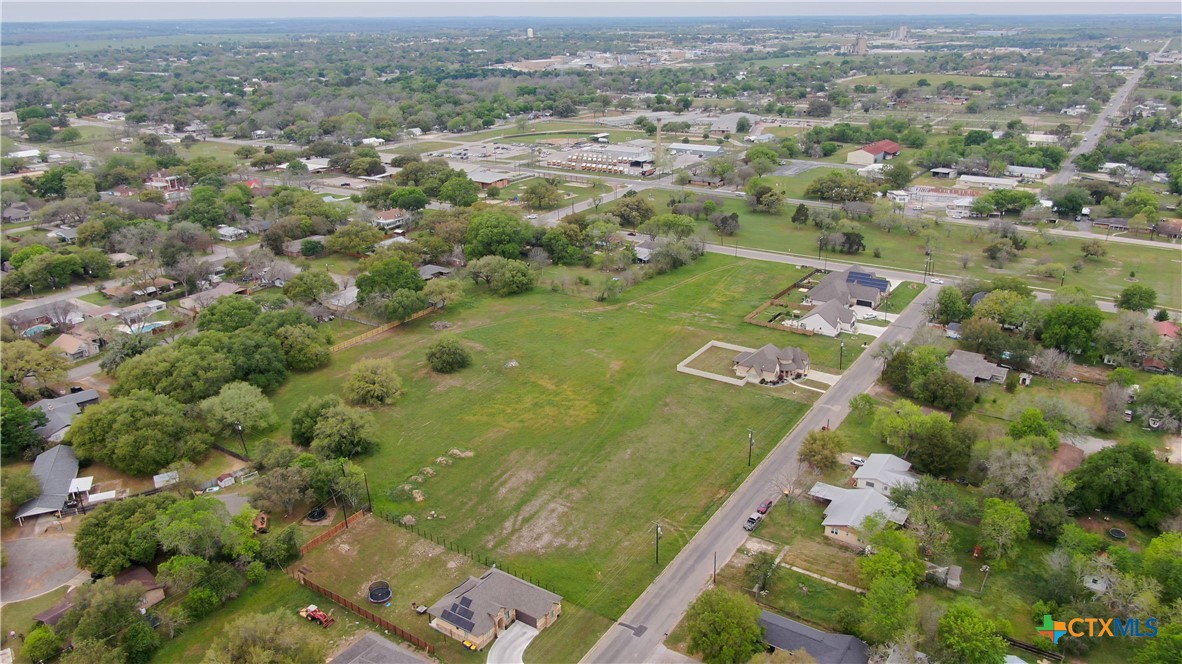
<point x="201" y="602"/>
<point x="448" y="356"/>
<point x="373" y="382"/>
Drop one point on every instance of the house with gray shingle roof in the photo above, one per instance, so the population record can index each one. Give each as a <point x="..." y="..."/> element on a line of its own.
<point x="479" y="609"/>
<point x="855" y="286"/>
<point x="790" y="636"/>
<point x="829" y="319"/>
<point x="881" y="472"/>
<point x="55" y="469"/>
<point x="771" y="364"/>
<point x="975" y="367"/>
<point x="848" y="508"/>
<point x="61" y="411"/>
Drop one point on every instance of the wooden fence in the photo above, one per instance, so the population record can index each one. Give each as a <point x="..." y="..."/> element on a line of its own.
<point x="332" y="532"/>
<point x="775" y="300"/>
<point x="378" y="330"/>
<point x="1034" y="650"/>
<point x="365" y="613"/>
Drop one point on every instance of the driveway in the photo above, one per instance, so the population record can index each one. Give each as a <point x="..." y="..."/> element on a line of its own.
<point x="861" y="311"/>
<point x="871" y="330"/>
<point x="511" y="644"/>
<point x="36" y="565"/>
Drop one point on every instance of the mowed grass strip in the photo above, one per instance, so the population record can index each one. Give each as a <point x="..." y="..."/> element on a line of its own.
<point x="589" y="439"/>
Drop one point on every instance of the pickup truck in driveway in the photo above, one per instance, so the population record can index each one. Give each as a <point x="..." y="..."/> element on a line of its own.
<point x="752" y="521"/>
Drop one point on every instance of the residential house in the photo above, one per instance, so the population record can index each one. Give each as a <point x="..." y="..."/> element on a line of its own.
<point x="293" y="248"/>
<point x="49" y="313"/>
<point x="61" y="411"/>
<point x="397" y="239"/>
<point x="153" y="594"/>
<point x="55" y="469"/>
<point x="761" y="138"/>
<point x="391" y="220"/>
<point x="790" y="636"/>
<point x="1026" y="172"/>
<point x="429" y="272"/>
<point x="198" y="301"/>
<point x="16" y="213"/>
<point x="64" y="234"/>
<point x="983" y="182"/>
<point x="830" y="319"/>
<point x="1111" y="223"/>
<point x="854" y="286"/>
<point x="124" y="191"/>
<point x="771" y="364"/>
<point x="881" y="472"/>
<point x="373" y="142"/>
<point x="122" y="259"/>
<point x="313" y="164"/>
<point x="167" y="184"/>
<point x="952" y="330"/>
<point x="873" y="171"/>
<point x="975" y="367"/>
<point x="848" y="508"/>
<point x="230" y="234"/>
<point x="259" y="226"/>
<point x="159" y="285"/>
<point x="1169" y="228"/>
<point x="875" y="152"/>
<point x="342" y="300"/>
<point x="1166" y="329"/>
<point x="479" y="609"/>
<point x="78" y="345"/>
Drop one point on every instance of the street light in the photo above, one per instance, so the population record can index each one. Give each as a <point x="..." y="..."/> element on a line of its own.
<point x="657" y="544"/>
<point x="750" y="445"/>
<point x="241" y="439"/>
<point x="840" y="355"/>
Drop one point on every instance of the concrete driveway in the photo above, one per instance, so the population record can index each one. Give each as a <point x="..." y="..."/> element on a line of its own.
<point x="861" y="311"/>
<point x="511" y="644"/>
<point x="36" y="565"/>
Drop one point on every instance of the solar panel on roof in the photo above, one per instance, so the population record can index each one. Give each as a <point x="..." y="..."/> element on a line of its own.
<point x="462" y="623"/>
<point x="464" y="612"/>
<point x="465" y="601"/>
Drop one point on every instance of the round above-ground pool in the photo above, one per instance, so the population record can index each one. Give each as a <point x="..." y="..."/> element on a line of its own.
<point x="317" y="514"/>
<point x="379" y="592"/>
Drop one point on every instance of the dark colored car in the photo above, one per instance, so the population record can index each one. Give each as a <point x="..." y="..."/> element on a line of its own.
<point x="764" y="507"/>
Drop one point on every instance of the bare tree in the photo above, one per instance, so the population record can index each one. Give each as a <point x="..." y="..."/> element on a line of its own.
<point x="1022" y="477"/>
<point x="59" y="313"/>
<point x="256" y="263"/>
<point x="1116" y="401"/>
<point x="795" y="482"/>
<point x="1051" y="363"/>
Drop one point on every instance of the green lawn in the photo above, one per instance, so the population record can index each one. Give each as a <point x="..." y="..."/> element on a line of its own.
<point x="532" y="128"/>
<point x="417" y="147"/>
<point x="212" y="148"/>
<point x="1104" y="277"/>
<point x="278" y="592"/>
<point x="892" y="81"/>
<point x="336" y="263"/>
<point x="901" y="296"/>
<point x="589" y="439"/>
<point x="568" y="639"/>
<point x="96" y="298"/>
<point x="18" y="617"/>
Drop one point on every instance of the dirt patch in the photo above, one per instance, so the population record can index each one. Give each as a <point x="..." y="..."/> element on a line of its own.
<point x="1100" y="525"/>
<point x="754" y="545"/>
<point x="1067" y="458"/>
<point x="514" y="481"/>
<point x="425" y="549"/>
<point x="541" y="525"/>
<point x="325" y="522"/>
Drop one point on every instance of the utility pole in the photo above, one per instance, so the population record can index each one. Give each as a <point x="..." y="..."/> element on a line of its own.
<point x="346" y="502"/>
<point x="840" y="356"/>
<point x="985" y="569"/>
<point x="657" y="543"/>
<point x="241" y="439"/>
<point x="750" y="445"/>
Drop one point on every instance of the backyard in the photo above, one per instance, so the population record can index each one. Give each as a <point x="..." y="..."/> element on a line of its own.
<point x="581" y="430"/>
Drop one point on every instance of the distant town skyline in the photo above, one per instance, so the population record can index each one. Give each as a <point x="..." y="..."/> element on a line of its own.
<point x="92" y="10"/>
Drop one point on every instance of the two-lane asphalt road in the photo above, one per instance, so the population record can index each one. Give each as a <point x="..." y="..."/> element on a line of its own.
<point x="642" y="628"/>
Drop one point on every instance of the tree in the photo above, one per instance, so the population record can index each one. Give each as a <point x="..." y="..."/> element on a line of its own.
<point x="1093" y="249"/>
<point x="387" y="277"/>
<point x="239" y="405"/>
<point x="343" y="432"/>
<point x="898" y="175"/>
<point x="180" y="573"/>
<point x="669" y="225"/>
<point x="1161" y="397"/>
<point x="1137" y="298"/>
<point x="310" y="286"/>
<point x="119" y="534"/>
<point x="888" y="609"/>
<point x="459" y="191"/>
<point x="743" y="125"/>
<point x="405" y="303"/>
<point x="42" y="644"/>
<point x="1129" y="479"/>
<point x="818" y="108"/>
<point x="514" y="277"/>
<point x="1070" y="328"/>
<point x="197" y="527"/>
<point x="1032" y="423"/>
<point x="355" y="238"/>
<point x="93" y="652"/>
<point x="271" y="637"/>
<point x="1021" y="476"/>
<point x="17" y="425"/>
<point x="494" y="232"/>
<point x="102" y="610"/>
<point x="1051" y="363"/>
<point x="306" y="415"/>
<point x="1003" y="526"/>
<point x="29" y="369"/>
<point x="633" y="211"/>
<point x="303" y="347"/>
<point x="138" y="434"/>
<point x="820" y="449"/>
<point x="447" y="355"/>
<point x="1129" y="339"/>
<point x="801" y="216"/>
<point x="441" y="292"/>
<point x="372" y="382"/>
<point x="19" y="487"/>
<point x="951" y="306"/>
<point x="762" y="570"/>
<point x="281" y="489"/>
<point x="541" y="195"/>
<point x="409" y="198"/>
<point x="965" y="636"/>
<point x="182" y="372"/>
<point x="1163" y="562"/>
<point x="724" y="627"/>
<point x="228" y="314"/>
<point x="840" y="186"/>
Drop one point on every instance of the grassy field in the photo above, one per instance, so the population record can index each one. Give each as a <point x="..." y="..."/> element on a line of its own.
<point x="615" y="135"/>
<point x="893" y="81"/>
<point x="96" y="298"/>
<point x="278" y="592"/>
<point x="417" y="147"/>
<point x="534" y="127"/>
<point x="1104" y="277"/>
<point x="217" y="149"/>
<point x="575" y="193"/>
<point x="589" y="439"/>
<point x="18" y="617"/>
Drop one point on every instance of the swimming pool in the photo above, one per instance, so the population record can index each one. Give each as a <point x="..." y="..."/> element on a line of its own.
<point x="37" y="329"/>
<point x="148" y="327"/>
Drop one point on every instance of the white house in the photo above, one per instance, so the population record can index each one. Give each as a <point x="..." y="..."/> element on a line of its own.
<point x="881" y="472"/>
<point x="389" y="220"/>
<point x="373" y="142"/>
<point x="983" y="182"/>
<point x="230" y="233"/>
<point x="830" y="319"/>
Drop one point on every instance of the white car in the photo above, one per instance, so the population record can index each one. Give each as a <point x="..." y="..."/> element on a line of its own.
<point x="869" y="316"/>
<point x="857" y="461"/>
<point x="937" y="281"/>
<point x="531" y="216"/>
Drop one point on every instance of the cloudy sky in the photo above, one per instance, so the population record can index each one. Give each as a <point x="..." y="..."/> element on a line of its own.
<point x="60" y="10"/>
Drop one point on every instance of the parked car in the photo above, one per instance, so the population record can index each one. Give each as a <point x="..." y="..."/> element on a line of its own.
<point x="531" y="216"/>
<point x="752" y="522"/>
<point x="857" y="461"/>
<point x="869" y="316"/>
<point x="764" y="507"/>
<point x="937" y="281"/>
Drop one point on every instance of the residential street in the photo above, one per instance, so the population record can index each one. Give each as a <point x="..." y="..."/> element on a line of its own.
<point x="639" y="633"/>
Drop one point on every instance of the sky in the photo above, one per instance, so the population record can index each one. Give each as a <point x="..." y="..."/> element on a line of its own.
<point x="78" y="10"/>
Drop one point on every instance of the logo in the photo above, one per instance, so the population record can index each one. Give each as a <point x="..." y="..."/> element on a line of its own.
<point x="1077" y="627"/>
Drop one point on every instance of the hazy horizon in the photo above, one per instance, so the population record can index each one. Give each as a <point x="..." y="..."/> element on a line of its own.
<point x="51" y="11"/>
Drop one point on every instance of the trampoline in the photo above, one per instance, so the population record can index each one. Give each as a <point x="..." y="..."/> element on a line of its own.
<point x="1117" y="533"/>
<point x="379" y="592"/>
<point x="317" y="514"/>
